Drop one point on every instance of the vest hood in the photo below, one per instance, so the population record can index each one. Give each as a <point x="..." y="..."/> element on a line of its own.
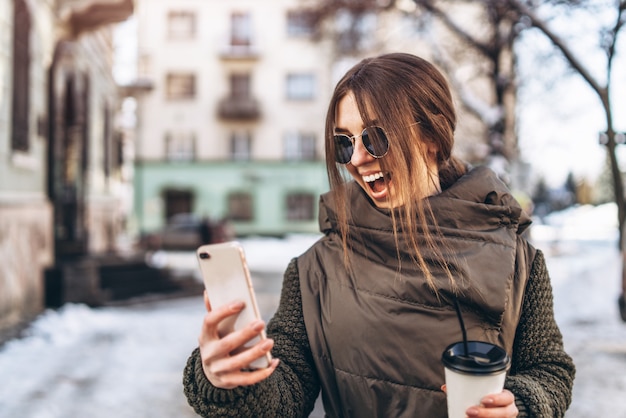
<point x="478" y="197"/>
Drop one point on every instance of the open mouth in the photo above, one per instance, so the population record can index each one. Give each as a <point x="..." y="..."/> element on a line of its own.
<point x="377" y="182"/>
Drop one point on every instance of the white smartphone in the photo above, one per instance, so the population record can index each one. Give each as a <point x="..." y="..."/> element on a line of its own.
<point x="226" y="279"/>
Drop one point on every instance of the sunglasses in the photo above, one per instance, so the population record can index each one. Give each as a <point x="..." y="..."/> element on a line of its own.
<point x="374" y="140"/>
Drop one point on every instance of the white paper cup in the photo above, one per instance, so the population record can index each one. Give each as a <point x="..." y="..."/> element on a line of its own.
<point x="470" y="377"/>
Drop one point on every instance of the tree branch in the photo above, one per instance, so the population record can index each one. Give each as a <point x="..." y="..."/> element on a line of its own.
<point x="619" y="23"/>
<point x="561" y="46"/>
<point x="463" y="34"/>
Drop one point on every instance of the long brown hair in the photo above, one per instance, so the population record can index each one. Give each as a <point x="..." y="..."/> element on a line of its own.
<point x="411" y="100"/>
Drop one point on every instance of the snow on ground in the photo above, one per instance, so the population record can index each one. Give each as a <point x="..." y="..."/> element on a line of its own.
<point x="127" y="361"/>
<point x="585" y="267"/>
<point x="111" y="362"/>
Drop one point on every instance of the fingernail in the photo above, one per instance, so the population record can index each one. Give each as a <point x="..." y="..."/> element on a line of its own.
<point x="267" y="344"/>
<point x="472" y="412"/>
<point x="258" y="325"/>
<point x="487" y="401"/>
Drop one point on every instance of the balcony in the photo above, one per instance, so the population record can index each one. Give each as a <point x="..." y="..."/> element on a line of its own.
<point x="237" y="108"/>
<point x="136" y="87"/>
<point x="239" y="52"/>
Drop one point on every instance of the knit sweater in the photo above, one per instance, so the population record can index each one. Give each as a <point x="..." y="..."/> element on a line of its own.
<point x="541" y="375"/>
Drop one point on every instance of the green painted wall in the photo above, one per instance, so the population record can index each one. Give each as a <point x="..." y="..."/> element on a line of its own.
<point x="211" y="182"/>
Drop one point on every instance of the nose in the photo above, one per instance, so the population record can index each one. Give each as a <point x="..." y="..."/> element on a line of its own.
<point x="360" y="155"/>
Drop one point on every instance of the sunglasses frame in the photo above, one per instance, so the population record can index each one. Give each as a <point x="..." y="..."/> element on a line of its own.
<point x="353" y="141"/>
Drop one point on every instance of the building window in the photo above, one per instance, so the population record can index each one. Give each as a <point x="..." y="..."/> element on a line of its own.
<point x="144" y="65"/>
<point x="240" y="206"/>
<point x="300" y="207"/>
<point x="239" y="104"/>
<point x="300" y="146"/>
<point x="180" y="146"/>
<point x="241" y="146"/>
<point x="300" y="86"/>
<point x="300" y="24"/>
<point x="240" y="29"/>
<point x="177" y="201"/>
<point x="21" y="80"/>
<point x="180" y="86"/>
<point x="181" y="25"/>
<point x="240" y="86"/>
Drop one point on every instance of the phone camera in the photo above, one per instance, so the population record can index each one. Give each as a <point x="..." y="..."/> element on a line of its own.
<point x="205" y="255"/>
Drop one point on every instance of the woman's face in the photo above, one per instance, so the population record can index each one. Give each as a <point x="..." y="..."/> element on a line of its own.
<point x="366" y="169"/>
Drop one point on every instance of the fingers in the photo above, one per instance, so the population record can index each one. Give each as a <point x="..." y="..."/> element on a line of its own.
<point x="227" y="370"/>
<point x="207" y="304"/>
<point x="213" y="318"/>
<point x="225" y="360"/>
<point x="241" y="360"/>
<point x="500" y="405"/>
<point x="503" y="398"/>
<point x="244" y="378"/>
<point x="235" y="341"/>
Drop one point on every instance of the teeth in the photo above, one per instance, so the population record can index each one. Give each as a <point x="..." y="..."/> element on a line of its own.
<point x="373" y="177"/>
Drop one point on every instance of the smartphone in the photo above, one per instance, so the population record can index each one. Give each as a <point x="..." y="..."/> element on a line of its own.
<point x="226" y="278"/>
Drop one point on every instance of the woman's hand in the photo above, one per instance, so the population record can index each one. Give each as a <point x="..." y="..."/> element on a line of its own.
<point x="499" y="405"/>
<point x="224" y="360"/>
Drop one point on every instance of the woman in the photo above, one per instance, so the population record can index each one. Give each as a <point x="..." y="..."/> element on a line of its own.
<point x="367" y="311"/>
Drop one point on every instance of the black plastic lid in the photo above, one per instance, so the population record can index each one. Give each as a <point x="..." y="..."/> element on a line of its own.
<point x="482" y="358"/>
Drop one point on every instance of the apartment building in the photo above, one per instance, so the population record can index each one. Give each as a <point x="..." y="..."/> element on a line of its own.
<point x="57" y="144"/>
<point x="233" y="124"/>
<point x="231" y="101"/>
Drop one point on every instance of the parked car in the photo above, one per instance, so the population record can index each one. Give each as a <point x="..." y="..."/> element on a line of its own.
<point x="187" y="231"/>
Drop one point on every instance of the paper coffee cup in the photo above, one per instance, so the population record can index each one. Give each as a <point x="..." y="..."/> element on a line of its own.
<point x="472" y="375"/>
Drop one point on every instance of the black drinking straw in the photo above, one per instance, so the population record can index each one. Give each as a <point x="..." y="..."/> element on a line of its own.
<point x="458" y="314"/>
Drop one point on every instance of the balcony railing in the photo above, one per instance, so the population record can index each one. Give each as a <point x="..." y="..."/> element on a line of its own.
<point x="239" y="52"/>
<point x="236" y="108"/>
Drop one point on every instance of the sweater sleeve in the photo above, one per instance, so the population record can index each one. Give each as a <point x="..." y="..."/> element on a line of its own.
<point x="542" y="373"/>
<point x="290" y="391"/>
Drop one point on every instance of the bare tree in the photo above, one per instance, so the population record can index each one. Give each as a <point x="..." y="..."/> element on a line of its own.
<point x="609" y="36"/>
<point x="348" y="35"/>
<point x="485" y="46"/>
<point x="489" y="54"/>
<point x="492" y="42"/>
<point x="489" y="44"/>
<point x="504" y="20"/>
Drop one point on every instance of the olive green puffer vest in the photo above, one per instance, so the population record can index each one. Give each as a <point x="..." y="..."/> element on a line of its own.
<point x="377" y="334"/>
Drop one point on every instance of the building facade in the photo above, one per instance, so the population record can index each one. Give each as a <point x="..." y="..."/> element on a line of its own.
<point x="231" y="102"/>
<point x="57" y="143"/>
<point x="233" y="124"/>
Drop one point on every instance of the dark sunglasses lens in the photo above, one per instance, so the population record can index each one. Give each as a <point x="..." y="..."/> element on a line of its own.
<point x="375" y="141"/>
<point x="343" y="149"/>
